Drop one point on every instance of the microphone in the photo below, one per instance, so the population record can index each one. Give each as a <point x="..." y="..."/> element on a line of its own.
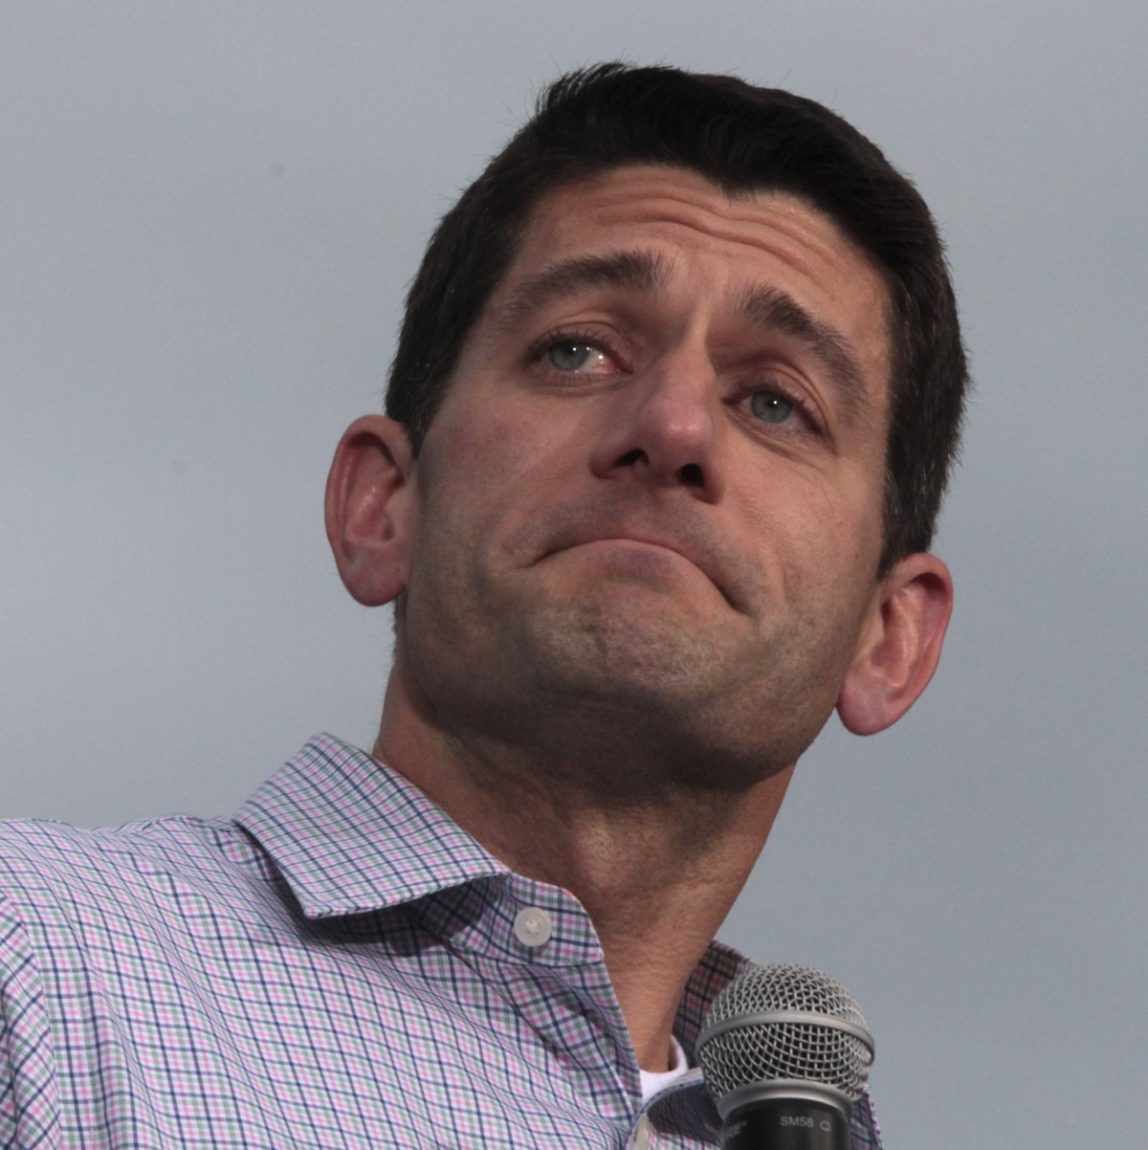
<point x="785" y="1052"/>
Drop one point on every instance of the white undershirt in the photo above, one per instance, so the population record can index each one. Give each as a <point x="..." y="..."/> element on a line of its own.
<point x="652" y="1082"/>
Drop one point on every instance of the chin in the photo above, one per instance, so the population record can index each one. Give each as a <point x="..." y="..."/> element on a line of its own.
<point x="648" y="654"/>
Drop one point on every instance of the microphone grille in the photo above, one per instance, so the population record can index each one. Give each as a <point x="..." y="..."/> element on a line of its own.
<point x="784" y="1023"/>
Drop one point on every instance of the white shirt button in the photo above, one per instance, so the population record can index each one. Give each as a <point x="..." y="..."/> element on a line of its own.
<point x="533" y="926"/>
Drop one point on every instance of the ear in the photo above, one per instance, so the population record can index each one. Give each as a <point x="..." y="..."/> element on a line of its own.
<point x="369" y="508"/>
<point x="900" y="644"/>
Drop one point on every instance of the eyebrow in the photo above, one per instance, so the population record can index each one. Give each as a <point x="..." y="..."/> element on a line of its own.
<point x="645" y="272"/>
<point x="776" y="310"/>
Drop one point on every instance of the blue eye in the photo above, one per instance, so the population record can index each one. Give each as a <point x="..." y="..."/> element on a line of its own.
<point x="771" y="407"/>
<point x="570" y="355"/>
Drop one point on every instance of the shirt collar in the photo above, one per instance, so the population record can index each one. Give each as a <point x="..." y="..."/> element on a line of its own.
<point x="350" y="835"/>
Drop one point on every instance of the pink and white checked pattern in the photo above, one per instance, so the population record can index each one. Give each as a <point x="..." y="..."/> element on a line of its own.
<point x="334" y="968"/>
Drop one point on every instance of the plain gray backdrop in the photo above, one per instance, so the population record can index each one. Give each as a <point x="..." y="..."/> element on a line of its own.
<point x="208" y="215"/>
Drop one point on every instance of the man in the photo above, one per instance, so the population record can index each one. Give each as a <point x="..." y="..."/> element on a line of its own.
<point x="668" y="426"/>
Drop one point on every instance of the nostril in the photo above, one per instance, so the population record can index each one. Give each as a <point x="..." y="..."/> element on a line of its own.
<point x="691" y="475"/>
<point x="632" y="457"/>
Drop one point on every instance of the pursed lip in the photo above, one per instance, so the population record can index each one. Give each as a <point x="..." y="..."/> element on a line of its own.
<point x="699" y="556"/>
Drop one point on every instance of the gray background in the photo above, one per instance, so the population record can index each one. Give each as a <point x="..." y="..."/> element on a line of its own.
<point x="208" y="214"/>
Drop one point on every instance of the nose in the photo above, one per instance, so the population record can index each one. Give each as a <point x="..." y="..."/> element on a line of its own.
<point x="665" y="428"/>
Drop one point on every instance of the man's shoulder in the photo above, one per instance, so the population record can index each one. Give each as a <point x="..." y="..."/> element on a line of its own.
<point x="62" y="882"/>
<point x="48" y="851"/>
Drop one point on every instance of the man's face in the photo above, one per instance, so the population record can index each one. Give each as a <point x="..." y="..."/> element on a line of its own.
<point x="652" y="494"/>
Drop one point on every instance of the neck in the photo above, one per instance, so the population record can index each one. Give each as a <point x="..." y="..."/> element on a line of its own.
<point x="657" y="867"/>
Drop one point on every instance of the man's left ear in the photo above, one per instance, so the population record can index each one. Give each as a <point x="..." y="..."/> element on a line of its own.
<point x="900" y="644"/>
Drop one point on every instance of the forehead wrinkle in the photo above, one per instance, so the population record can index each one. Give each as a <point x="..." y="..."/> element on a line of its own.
<point x="636" y="270"/>
<point x="775" y="310"/>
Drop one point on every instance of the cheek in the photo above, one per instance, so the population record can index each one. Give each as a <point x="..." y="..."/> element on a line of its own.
<point x="476" y="485"/>
<point x="826" y="538"/>
<point x="508" y="477"/>
<point x="496" y="433"/>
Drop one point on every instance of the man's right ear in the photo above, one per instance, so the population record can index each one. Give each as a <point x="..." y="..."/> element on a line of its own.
<point x="370" y="508"/>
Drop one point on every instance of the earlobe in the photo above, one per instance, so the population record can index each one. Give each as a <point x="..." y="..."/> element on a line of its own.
<point x="369" y="508"/>
<point x="899" y="646"/>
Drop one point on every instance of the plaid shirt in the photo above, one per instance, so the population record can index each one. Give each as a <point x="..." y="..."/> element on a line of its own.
<point x="339" y="966"/>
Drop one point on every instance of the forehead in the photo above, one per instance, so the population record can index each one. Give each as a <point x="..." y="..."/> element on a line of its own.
<point x="709" y="244"/>
<point x="675" y="202"/>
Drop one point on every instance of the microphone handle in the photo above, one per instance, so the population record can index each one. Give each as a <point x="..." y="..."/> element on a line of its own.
<point x="786" y="1124"/>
